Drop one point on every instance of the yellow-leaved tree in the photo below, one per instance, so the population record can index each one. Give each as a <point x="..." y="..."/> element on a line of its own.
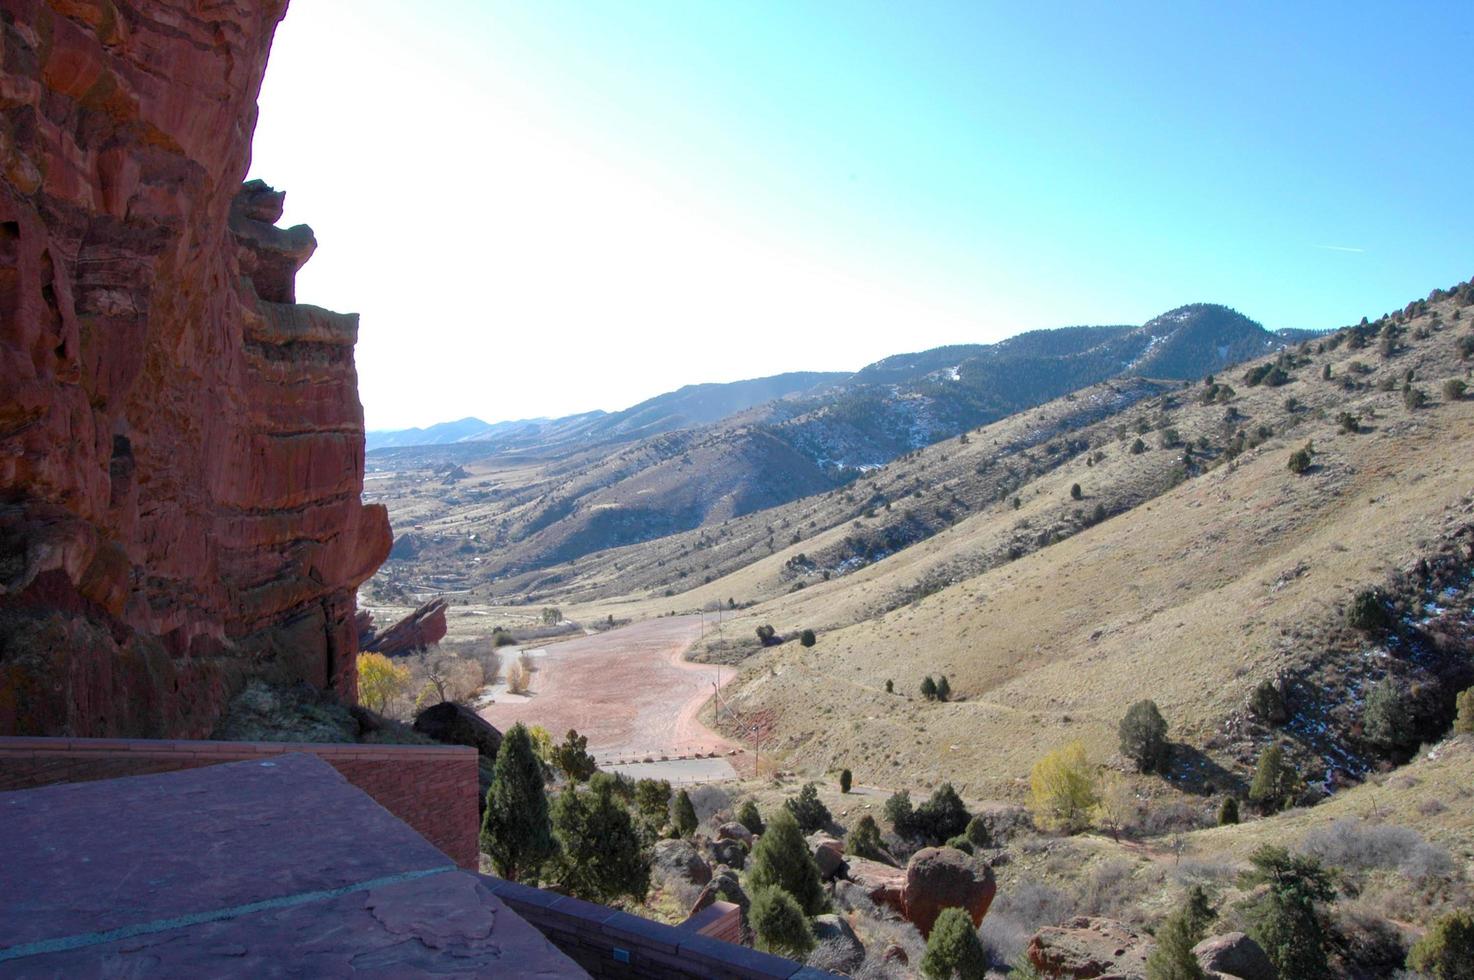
<point x="1064" y="788"/>
<point x="380" y="680"/>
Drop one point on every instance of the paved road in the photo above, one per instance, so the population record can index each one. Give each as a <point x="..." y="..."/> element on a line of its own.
<point x="627" y="689"/>
<point x="678" y="771"/>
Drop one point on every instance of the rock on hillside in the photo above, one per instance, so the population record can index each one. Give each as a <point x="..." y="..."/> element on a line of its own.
<point x="1088" y="947"/>
<point x="420" y="629"/>
<point x="181" y="443"/>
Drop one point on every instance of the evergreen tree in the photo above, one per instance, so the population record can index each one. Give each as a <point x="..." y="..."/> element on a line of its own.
<point x="898" y="811"/>
<point x="1386" y="721"/>
<point x="516" y="832"/>
<point x="748" y="817"/>
<point x="864" y="840"/>
<point x="953" y="949"/>
<point x="1198" y="912"/>
<point x="683" y="815"/>
<point x="929" y="688"/>
<point x="782" y="859"/>
<point x="778" y="923"/>
<point x="944" y="689"/>
<point x="846" y="780"/>
<point x="1275" y="782"/>
<point x="1464" y="719"/>
<point x="808" y="810"/>
<point x="1287" y="920"/>
<point x="572" y="757"/>
<point x="1228" y="813"/>
<point x="601" y="855"/>
<point x="1172" y="958"/>
<point x="1446" y="951"/>
<point x="942" y="817"/>
<point x="1143" y="733"/>
<point x="652" y="803"/>
<point x="978" y="832"/>
<point x="807" y="638"/>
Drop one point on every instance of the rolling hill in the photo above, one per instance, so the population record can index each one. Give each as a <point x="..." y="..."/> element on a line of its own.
<point x="602" y="482"/>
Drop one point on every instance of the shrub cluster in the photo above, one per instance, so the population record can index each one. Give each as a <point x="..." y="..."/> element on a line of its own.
<point x="938" y="820"/>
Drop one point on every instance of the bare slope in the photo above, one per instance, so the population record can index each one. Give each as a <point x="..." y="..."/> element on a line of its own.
<point x="1190" y="599"/>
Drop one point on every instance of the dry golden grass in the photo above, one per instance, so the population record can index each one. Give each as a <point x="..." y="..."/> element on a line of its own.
<point x="1183" y="599"/>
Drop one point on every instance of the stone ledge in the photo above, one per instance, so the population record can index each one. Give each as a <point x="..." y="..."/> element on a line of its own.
<point x="610" y="943"/>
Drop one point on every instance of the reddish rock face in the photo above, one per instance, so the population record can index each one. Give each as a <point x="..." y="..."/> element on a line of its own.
<point x="422" y="628"/>
<point x="181" y="445"/>
<point x="1087" y="948"/>
<point x="938" y="878"/>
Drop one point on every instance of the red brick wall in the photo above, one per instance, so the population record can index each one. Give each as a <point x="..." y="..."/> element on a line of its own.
<point x="431" y="788"/>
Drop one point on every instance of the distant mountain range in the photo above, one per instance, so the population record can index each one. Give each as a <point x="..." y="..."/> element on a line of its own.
<point x="712" y="452"/>
<point x="691" y="405"/>
<point x="1187" y="342"/>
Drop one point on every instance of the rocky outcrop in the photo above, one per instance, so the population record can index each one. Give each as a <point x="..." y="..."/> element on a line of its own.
<point x="456" y="724"/>
<point x="181" y="444"/>
<point x="943" y="877"/>
<point x="420" y="629"/>
<point x="1086" y="948"/>
<point x="733" y="830"/>
<point x="844" y="950"/>
<point x="680" y="860"/>
<point x="724" y="886"/>
<point x="1234" y="955"/>
<point x="882" y="884"/>
<point x="828" y="852"/>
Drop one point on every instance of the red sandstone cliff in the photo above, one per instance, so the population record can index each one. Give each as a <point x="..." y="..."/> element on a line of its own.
<point x="181" y="444"/>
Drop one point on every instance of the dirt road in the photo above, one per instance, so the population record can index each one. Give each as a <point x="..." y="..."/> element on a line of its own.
<point x="628" y="690"/>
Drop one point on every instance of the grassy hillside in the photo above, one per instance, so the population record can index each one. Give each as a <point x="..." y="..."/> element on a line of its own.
<point x="1193" y="597"/>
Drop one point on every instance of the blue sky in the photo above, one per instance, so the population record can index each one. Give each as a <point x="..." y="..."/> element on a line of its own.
<point x="542" y="208"/>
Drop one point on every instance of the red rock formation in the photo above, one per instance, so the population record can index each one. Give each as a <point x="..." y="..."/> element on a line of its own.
<point x="1087" y="948"/>
<point x="943" y="877"/>
<point x="420" y="629"/>
<point x="181" y="446"/>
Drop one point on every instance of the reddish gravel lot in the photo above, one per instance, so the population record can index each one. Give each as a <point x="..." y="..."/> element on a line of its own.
<point x="628" y="690"/>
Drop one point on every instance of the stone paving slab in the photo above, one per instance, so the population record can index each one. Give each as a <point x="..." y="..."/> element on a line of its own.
<point x="445" y="925"/>
<point x="264" y="868"/>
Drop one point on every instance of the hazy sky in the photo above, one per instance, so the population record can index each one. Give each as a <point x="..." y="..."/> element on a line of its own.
<point x="541" y="207"/>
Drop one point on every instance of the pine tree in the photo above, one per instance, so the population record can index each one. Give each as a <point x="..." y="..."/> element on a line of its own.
<point x="1228" y="813"/>
<point x="782" y="859"/>
<point x="652" y="803"/>
<point x="778" y="923"/>
<point x="929" y="688"/>
<point x="572" y="757"/>
<point x="748" y="816"/>
<point x="865" y="841"/>
<point x="1385" y="720"/>
<point x="1172" y="958"/>
<point x="516" y="832"/>
<point x="1287" y="920"/>
<point x="808" y="810"/>
<point x="1464" y="720"/>
<point x="601" y="855"/>
<point x="1275" y="783"/>
<point x="941" y="817"/>
<point x="953" y="949"/>
<point x="944" y="689"/>
<point x="846" y="780"/>
<point x="1446" y="951"/>
<point x="683" y="815"/>
<point x="1143" y="733"/>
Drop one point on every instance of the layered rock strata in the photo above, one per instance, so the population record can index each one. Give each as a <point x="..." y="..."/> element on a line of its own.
<point x="181" y="443"/>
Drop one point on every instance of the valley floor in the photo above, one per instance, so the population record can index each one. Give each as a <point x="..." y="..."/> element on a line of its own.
<point x="629" y="690"/>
